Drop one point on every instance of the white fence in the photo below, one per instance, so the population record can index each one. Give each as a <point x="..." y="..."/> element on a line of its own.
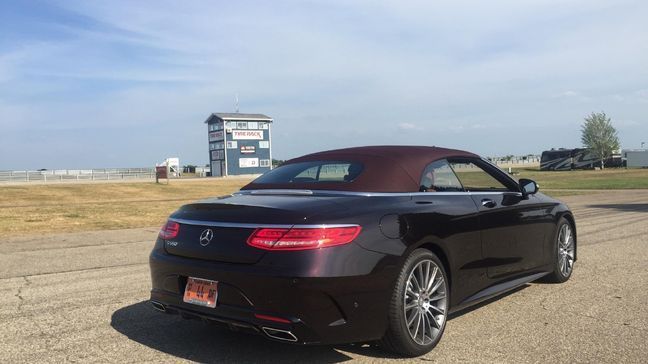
<point x="77" y="174"/>
<point x="531" y="159"/>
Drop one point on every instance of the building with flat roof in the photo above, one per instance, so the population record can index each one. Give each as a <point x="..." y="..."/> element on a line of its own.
<point x="239" y="143"/>
<point x="636" y="158"/>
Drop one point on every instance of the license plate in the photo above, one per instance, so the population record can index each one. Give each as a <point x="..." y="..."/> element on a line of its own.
<point x="202" y="292"/>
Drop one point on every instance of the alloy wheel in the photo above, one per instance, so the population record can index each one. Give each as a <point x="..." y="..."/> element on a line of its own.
<point x="566" y="250"/>
<point x="425" y="302"/>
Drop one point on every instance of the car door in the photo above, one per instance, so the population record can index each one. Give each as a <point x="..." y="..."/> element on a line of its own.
<point x="512" y="234"/>
<point x="444" y="214"/>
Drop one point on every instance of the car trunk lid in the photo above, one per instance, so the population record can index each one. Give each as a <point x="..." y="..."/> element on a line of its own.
<point x="218" y="229"/>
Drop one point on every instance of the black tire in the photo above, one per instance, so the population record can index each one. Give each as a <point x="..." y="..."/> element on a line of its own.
<point x="398" y="338"/>
<point x="558" y="275"/>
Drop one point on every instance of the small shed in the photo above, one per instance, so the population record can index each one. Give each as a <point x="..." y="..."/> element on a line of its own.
<point x="636" y="158"/>
<point x="239" y="143"/>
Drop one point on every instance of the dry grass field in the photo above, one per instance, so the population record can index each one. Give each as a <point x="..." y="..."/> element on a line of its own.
<point x="54" y="208"/>
<point x="69" y="207"/>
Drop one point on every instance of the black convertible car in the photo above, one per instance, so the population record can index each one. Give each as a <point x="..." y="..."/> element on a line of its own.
<point x="369" y="244"/>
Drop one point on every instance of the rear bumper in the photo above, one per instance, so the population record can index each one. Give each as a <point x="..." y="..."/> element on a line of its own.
<point x="320" y="305"/>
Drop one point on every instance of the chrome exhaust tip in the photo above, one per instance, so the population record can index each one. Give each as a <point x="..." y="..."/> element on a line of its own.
<point x="158" y="306"/>
<point x="278" y="334"/>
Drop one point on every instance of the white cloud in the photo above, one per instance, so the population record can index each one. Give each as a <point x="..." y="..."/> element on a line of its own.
<point x="642" y="95"/>
<point x="568" y="93"/>
<point x="409" y="126"/>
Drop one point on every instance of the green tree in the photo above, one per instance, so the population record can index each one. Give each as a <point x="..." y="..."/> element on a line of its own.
<point x="277" y="163"/>
<point x="599" y="136"/>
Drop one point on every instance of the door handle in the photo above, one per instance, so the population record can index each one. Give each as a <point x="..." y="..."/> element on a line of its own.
<point x="488" y="203"/>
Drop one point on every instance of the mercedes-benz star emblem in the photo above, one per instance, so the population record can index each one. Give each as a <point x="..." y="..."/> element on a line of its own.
<point x="206" y="237"/>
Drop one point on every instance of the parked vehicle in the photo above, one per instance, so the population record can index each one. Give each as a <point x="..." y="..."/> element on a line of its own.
<point x="579" y="158"/>
<point x="368" y="244"/>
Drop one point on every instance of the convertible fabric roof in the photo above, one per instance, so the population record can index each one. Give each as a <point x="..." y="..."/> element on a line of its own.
<point x="388" y="168"/>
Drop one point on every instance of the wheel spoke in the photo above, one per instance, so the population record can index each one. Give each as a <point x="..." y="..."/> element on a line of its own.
<point x="410" y="292"/>
<point x="564" y="265"/>
<point x="412" y="318"/>
<point x="438" y="296"/>
<point x="411" y="305"/>
<point x="415" y="282"/>
<point x="440" y="311"/>
<point x="437" y="285"/>
<point x="418" y="324"/>
<point x="427" y="275"/>
<point x="432" y="278"/>
<point x="565" y="236"/>
<point x="430" y="322"/>
<point x="424" y="327"/>
<point x="434" y="321"/>
<point x="420" y="279"/>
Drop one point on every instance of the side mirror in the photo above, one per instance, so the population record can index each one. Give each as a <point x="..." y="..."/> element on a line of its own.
<point x="528" y="187"/>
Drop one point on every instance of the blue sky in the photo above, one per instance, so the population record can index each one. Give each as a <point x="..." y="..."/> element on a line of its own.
<point x="127" y="83"/>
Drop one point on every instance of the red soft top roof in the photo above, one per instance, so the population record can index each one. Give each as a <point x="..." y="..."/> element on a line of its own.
<point x="389" y="168"/>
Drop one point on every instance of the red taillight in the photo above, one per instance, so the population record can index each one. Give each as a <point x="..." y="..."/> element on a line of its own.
<point x="169" y="230"/>
<point x="302" y="238"/>
<point x="271" y="318"/>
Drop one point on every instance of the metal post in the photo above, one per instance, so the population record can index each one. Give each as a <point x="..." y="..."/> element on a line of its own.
<point x="223" y="166"/>
<point x="270" y="141"/>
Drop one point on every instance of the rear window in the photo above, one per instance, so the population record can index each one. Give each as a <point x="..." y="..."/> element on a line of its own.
<point x="312" y="172"/>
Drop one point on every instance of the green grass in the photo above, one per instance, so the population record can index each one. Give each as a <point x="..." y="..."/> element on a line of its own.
<point x="616" y="178"/>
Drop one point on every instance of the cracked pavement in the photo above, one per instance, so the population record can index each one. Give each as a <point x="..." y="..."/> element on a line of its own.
<point x="82" y="297"/>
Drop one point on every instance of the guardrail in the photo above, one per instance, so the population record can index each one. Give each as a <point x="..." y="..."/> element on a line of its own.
<point x="77" y="175"/>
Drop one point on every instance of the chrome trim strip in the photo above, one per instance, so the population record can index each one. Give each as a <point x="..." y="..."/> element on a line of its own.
<point x="257" y="225"/>
<point x="366" y="194"/>
<point x="281" y="192"/>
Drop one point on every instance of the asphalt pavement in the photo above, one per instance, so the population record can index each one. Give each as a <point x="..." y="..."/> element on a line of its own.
<point x="82" y="297"/>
